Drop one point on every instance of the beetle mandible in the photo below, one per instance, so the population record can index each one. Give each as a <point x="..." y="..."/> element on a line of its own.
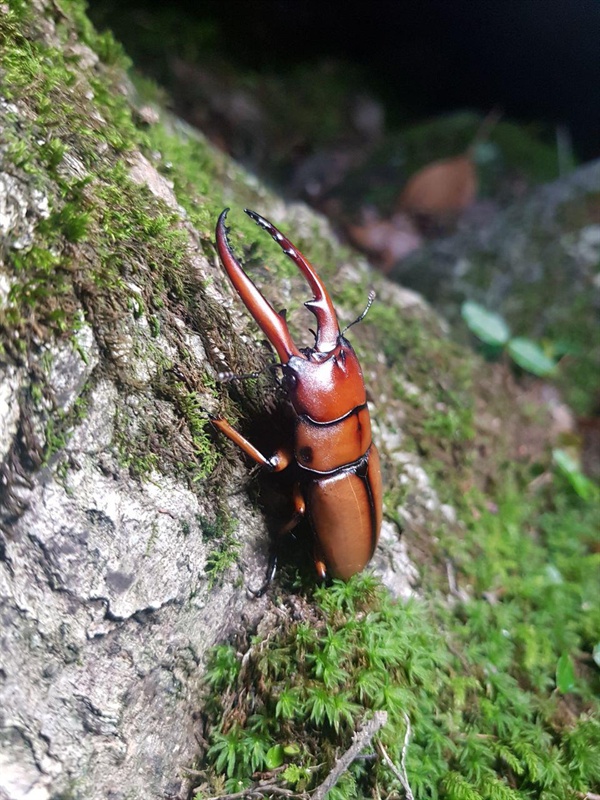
<point x="338" y="482"/>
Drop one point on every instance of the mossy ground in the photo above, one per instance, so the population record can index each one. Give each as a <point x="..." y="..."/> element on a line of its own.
<point x="478" y="667"/>
<point x="508" y="608"/>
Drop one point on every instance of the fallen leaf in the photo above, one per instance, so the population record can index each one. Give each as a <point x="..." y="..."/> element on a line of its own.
<point x="441" y="188"/>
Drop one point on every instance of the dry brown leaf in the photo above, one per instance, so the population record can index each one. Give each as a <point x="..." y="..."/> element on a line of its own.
<point x="441" y="188"/>
<point x="444" y="189"/>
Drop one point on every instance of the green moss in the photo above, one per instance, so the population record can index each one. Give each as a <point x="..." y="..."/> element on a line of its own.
<point x="567" y="330"/>
<point x="476" y="678"/>
<point x="138" y="235"/>
<point x="576" y="340"/>
<point x="443" y="137"/>
<point x="136" y="456"/>
<point x="60" y="426"/>
<point x="187" y="161"/>
<point x="166" y="30"/>
<point x="191" y="409"/>
<point x="223" y="546"/>
<point x="107" y="252"/>
<point x="522" y="148"/>
<point x="46" y="80"/>
<point x="177" y="442"/>
<point x="109" y="51"/>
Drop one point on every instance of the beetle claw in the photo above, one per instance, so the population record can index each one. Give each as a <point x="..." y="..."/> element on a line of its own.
<point x="271" y="570"/>
<point x="328" y="330"/>
<point x="273" y="325"/>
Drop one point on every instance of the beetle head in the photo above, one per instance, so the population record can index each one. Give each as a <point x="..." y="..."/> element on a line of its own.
<point x="325" y="386"/>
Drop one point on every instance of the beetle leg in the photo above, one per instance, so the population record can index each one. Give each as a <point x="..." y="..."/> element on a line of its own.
<point x="319" y="560"/>
<point x="320" y="568"/>
<point x="299" y="512"/>
<point x="271" y="570"/>
<point x="278" y="461"/>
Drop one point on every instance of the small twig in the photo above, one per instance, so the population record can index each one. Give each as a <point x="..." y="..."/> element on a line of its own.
<point x="588" y="795"/>
<point x="258" y="790"/>
<point x="197" y="773"/>
<point x="400" y="773"/>
<point x="233" y="796"/>
<point x="360" y="740"/>
<point x="273" y="788"/>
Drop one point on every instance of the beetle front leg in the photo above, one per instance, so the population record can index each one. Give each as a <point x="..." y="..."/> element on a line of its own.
<point x="278" y="461"/>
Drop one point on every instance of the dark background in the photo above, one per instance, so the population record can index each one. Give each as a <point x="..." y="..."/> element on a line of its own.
<point x="537" y="59"/>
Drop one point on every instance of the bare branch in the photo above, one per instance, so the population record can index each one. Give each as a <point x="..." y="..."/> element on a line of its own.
<point x="197" y="773"/>
<point x="233" y="796"/>
<point x="400" y="773"/>
<point x="259" y="790"/>
<point x="360" y="740"/>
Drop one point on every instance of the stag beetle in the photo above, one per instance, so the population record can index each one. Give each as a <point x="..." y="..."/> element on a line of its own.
<point x="338" y="476"/>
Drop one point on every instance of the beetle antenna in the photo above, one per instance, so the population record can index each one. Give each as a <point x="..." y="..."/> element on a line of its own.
<point x="364" y="313"/>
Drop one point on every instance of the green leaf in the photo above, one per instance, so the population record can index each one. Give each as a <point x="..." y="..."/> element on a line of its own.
<point x="274" y="757"/>
<point x="565" y="674"/>
<point x="487" y="326"/>
<point x="530" y="357"/>
<point x="297" y="776"/>
<point x="291" y="750"/>
<point x="287" y="705"/>
<point x="569" y="468"/>
<point x="596" y="654"/>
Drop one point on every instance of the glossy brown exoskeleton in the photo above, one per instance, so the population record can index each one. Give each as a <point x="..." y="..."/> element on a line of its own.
<point x="338" y="484"/>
